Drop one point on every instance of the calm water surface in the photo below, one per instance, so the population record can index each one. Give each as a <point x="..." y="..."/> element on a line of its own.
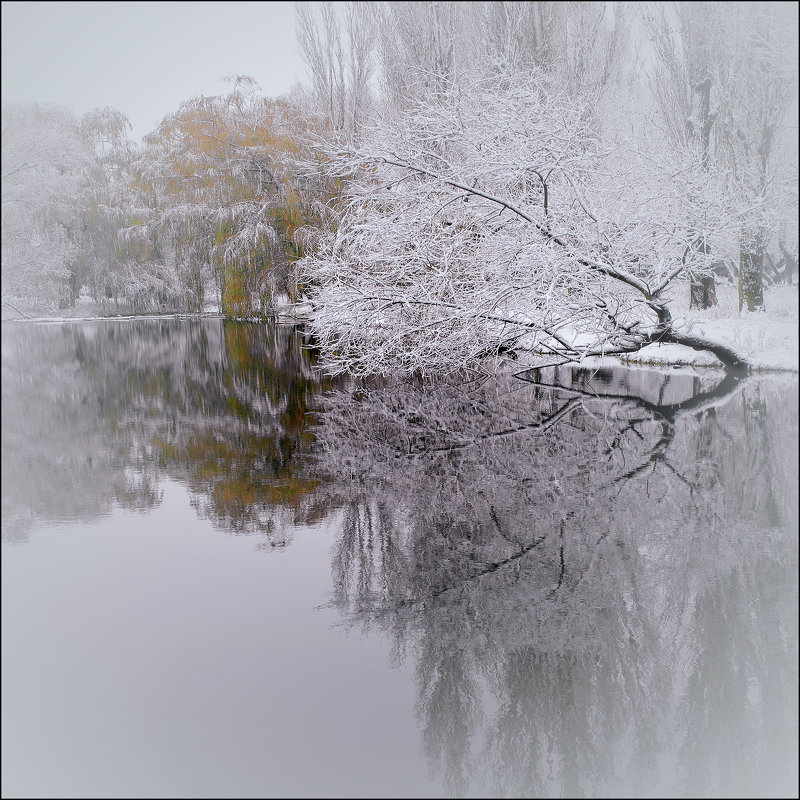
<point x="225" y="576"/>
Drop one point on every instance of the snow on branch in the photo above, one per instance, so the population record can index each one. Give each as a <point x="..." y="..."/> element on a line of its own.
<point x="500" y="221"/>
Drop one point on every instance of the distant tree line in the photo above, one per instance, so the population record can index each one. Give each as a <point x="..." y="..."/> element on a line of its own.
<point x="207" y="210"/>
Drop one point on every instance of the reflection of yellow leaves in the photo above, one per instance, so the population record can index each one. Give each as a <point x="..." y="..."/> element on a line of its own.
<point x="143" y="494"/>
<point x="240" y="476"/>
<point x="238" y="348"/>
<point x="234" y="497"/>
<point x="238" y="428"/>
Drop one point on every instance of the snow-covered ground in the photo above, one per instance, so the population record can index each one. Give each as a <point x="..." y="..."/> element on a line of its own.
<point x="767" y="340"/>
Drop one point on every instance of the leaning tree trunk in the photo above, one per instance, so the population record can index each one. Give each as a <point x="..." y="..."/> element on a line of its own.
<point x="751" y="263"/>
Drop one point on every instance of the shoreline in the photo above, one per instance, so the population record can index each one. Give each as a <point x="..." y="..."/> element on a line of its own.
<point x="767" y="340"/>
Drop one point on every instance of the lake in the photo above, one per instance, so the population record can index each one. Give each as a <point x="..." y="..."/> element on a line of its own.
<point x="225" y="575"/>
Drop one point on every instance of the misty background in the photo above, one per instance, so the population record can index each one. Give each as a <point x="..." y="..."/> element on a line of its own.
<point x="145" y="58"/>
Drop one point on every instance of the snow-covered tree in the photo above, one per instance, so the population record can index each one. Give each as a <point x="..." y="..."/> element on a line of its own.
<point x="725" y="79"/>
<point x="496" y="219"/>
<point x="424" y="48"/>
<point x="761" y="118"/>
<point x="337" y="42"/>
<point x="106" y="204"/>
<point x="44" y="165"/>
<point x="224" y="206"/>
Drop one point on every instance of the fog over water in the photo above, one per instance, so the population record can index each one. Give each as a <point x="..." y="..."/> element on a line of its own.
<point x="224" y="576"/>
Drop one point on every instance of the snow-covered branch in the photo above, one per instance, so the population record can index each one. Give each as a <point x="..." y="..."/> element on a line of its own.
<point x="446" y="251"/>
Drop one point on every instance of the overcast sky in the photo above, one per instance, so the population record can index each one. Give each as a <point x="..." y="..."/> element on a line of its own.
<point x="143" y="58"/>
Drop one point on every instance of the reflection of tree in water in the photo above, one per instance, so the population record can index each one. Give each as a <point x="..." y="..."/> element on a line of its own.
<point x="221" y="406"/>
<point x="599" y="592"/>
<point x="593" y="588"/>
<point x="57" y="462"/>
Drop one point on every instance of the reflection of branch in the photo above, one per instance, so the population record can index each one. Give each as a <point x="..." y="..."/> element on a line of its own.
<point x="493" y="567"/>
<point x="657" y="454"/>
<point x="713" y="398"/>
<point x="675" y="472"/>
<point x="704" y="401"/>
<point x="561" y="558"/>
<point x="493" y="515"/>
<point x="537" y="426"/>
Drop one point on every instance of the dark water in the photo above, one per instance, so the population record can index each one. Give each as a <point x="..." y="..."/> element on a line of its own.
<point x="225" y="576"/>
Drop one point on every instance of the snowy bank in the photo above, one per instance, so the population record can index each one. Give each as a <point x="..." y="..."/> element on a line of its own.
<point x="768" y="340"/>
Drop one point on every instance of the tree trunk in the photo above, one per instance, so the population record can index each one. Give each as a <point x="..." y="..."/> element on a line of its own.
<point x="725" y="269"/>
<point x="701" y="119"/>
<point x="790" y="266"/>
<point x="703" y="288"/>
<point x="703" y="292"/>
<point x="776" y="269"/>
<point x="751" y="262"/>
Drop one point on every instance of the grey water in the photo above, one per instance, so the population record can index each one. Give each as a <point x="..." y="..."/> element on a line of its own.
<point x="226" y="575"/>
